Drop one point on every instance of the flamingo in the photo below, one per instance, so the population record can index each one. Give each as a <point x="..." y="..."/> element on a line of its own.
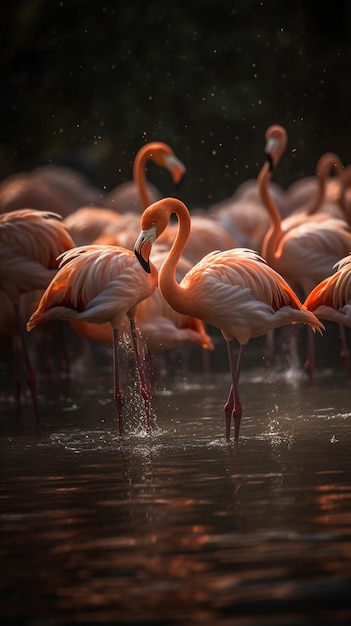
<point x="99" y="284"/>
<point x="136" y="195"/>
<point x="303" y="254"/>
<point x="331" y="298"/>
<point x="234" y="290"/>
<point x="30" y="242"/>
<point x="309" y="192"/>
<point x="87" y="224"/>
<point x="322" y="203"/>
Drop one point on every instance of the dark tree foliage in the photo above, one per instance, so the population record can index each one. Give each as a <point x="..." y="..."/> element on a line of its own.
<point x="85" y="83"/>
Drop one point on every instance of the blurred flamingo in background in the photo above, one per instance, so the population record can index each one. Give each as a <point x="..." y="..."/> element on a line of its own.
<point x="125" y="197"/>
<point x="317" y="189"/>
<point x="321" y="204"/>
<point x="114" y="224"/>
<point x="100" y="284"/>
<point x="206" y="235"/>
<point x="245" y="219"/>
<point x="305" y="253"/>
<point x="20" y="191"/>
<point x="234" y="290"/>
<point x="88" y="222"/>
<point x="30" y="242"/>
<point x="74" y="187"/>
<point x="137" y="194"/>
<point x="52" y="188"/>
<point x="243" y="215"/>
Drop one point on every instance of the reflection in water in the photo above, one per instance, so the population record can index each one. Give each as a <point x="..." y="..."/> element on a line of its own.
<point x="180" y="526"/>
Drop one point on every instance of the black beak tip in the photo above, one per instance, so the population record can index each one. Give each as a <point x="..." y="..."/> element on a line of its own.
<point x="144" y="264"/>
<point x="270" y="161"/>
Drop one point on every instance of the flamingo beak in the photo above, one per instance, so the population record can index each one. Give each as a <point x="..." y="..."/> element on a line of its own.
<point x="270" y="151"/>
<point x="176" y="168"/>
<point x="143" y="245"/>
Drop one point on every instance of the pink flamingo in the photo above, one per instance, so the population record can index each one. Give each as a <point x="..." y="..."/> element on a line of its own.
<point x="99" y="284"/>
<point x="318" y="192"/>
<point x="234" y="290"/>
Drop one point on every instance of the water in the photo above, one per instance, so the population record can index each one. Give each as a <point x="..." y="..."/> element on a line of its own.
<point x="179" y="527"/>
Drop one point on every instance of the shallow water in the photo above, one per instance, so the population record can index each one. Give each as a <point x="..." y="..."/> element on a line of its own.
<point x="178" y="526"/>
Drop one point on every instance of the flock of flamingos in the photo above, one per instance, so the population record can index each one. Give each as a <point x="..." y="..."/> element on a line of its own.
<point x="118" y="262"/>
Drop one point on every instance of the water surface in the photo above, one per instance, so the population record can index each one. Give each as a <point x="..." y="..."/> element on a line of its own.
<point x="179" y="526"/>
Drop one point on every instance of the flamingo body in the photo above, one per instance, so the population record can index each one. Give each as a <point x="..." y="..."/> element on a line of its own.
<point x="30" y="242"/>
<point x="48" y="188"/>
<point x="240" y="280"/>
<point x="95" y="284"/>
<point x="99" y="284"/>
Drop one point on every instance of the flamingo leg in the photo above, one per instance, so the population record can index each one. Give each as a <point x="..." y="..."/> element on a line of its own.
<point x="233" y="407"/>
<point x="239" y="362"/>
<point x="228" y="408"/>
<point x="31" y="377"/>
<point x="309" y="363"/>
<point x="269" y="349"/>
<point x="118" y="395"/>
<point x="143" y="386"/>
<point x="345" y="355"/>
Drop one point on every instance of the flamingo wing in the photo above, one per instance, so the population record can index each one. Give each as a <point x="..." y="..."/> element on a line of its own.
<point x="238" y="292"/>
<point x="331" y="298"/>
<point x="96" y="284"/>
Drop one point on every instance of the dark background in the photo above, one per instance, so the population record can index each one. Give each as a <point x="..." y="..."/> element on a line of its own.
<point x="87" y="82"/>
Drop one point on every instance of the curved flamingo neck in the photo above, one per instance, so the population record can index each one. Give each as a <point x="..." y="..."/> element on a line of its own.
<point x="139" y="175"/>
<point x="317" y="201"/>
<point x="274" y="233"/>
<point x="327" y="163"/>
<point x="174" y="293"/>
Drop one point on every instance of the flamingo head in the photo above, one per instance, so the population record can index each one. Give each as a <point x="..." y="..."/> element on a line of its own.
<point x="164" y="156"/>
<point x="154" y="221"/>
<point x="276" y="140"/>
<point x="143" y="245"/>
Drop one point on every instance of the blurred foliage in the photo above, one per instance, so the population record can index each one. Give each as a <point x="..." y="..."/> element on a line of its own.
<point x="85" y="83"/>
